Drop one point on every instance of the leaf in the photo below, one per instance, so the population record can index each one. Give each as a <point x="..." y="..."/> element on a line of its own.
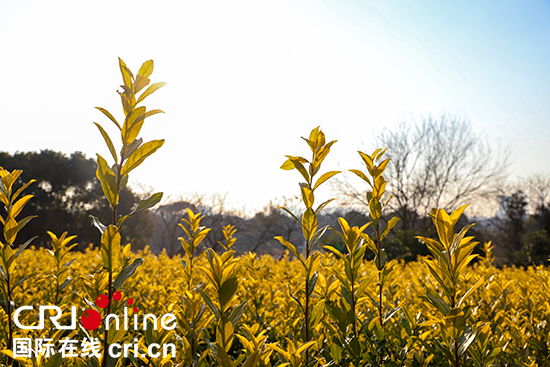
<point x="108" y="114"/>
<point x="457" y="213"/>
<point x="311" y="283"/>
<point x="23" y="222"/>
<point x="24" y="246"/>
<point x="390" y="313"/>
<point x="23" y="279"/>
<point x="132" y="125"/>
<point x="297" y="162"/>
<point x="309" y="223"/>
<point x="108" y="142"/>
<point x="127" y="75"/>
<point x="291" y="247"/>
<point x="288" y="165"/>
<point x="317" y="237"/>
<point x="362" y="175"/>
<point x="97" y="223"/>
<point x="391" y="223"/>
<point x="152" y="88"/>
<point x="111" y="251"/>
<point x="146" y="69"/>
<point x="10" y="230"/>
<point x="322" y="206"/>
<point x="210" y="304"/>
<point x="227" y="291"/>
<point x="237" y="313"/>
<point x="253" y="360"/>
<point x="140" y="154"/>
<point x="466" y="343"/>
<point x="8" y="259"/>
<point x="126" y="273"/>
<point x="455" y="322"/>
<point x="478" y="284"/>
<point x="144" y="205"/>
<point x="142" y="77"/>
<point x="108" y="181"/>
<point x="307" y="196"/>
<point x="324" y="178"/>
<point x="65" y="283"/>
<point x="224" y="359"/>
<point x="153" y="112"/>
<point x="128" y="150"/>
<point x="18" y="206"/>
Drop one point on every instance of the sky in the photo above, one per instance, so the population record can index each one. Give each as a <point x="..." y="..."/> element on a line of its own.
<point x="247" y="78"/>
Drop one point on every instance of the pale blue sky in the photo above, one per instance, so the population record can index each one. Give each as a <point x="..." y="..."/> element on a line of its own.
<point x="247" y="78"/>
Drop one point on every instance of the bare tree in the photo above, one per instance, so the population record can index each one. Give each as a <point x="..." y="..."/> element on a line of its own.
<point x="435" y="162"/>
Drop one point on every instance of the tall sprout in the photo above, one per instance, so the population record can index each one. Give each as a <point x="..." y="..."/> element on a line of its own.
<point x="377" y="203"/>
<point x="114" y="177"/>
<point x="310" y="261"/>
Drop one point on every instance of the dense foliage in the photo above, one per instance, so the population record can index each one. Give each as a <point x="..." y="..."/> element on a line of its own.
<point x="510" y="312"/>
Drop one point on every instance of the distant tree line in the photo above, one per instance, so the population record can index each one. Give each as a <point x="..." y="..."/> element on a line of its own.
<point x="435" y="162"/>
<point x="66" y="193"/>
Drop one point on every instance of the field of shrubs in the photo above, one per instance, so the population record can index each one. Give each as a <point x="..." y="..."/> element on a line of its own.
<point x="509" y="314"/>
<point x="317" y="306"/>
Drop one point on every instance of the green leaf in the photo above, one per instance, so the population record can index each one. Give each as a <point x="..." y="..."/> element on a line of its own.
<point x="390" y="313"/>
<point x="140" y="154"/>
<point x="108" y="142"/>
<point x="108" y="114"/>
<point x="437" y="301"/>
<point x="111" y="251"/>
<point x="152" y="88"/>
<point x="126" y="273"/>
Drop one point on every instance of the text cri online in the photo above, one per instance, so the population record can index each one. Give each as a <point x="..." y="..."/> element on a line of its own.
<point x="153" y="350"/>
